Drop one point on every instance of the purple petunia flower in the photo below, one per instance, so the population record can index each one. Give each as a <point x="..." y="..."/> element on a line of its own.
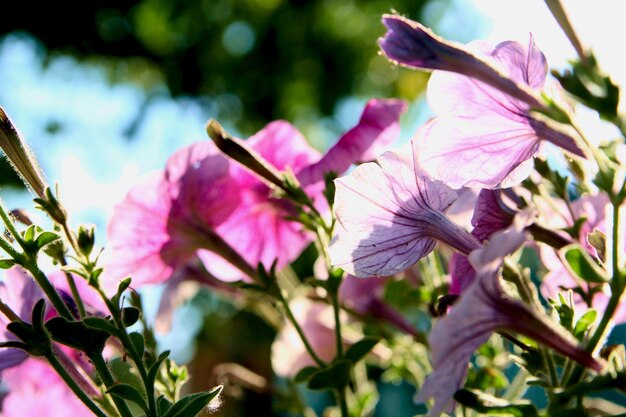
<point x="483" y="308"/>
<point x="483" y="98"/>
<point x="20" y="293"/>
<point x="490" y="216"/>
<point x="390" y="214"/>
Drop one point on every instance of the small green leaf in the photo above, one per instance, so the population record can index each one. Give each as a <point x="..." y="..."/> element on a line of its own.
<point x="6" y="263"/>
<point x="127" y="392"/>
<point x="336" y="376"/>
<point x="130" y="315"/>
<point x="154" y="369"/>
<point x="583" y="323"/>
<point x="163" y="405"/>
<point x="138" y="342"/>
<point x="102" y="324"/>
<point x="29" y="234"/>
<point x="191" y="405"/>
<point x="305" y="374"/>
<point x="357" y="351"/>
<point x="597" y="240"/>
<point x="44" y="238"/>
<point x="582" y="265"/>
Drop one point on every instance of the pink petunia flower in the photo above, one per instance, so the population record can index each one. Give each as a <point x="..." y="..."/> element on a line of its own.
<point x="259" y="228"/>
<point x="35" y="390"/>
<point x="203" y="204"/>
<point x="170" y="215"/>
<point x="390" y="215"/>
<point x="483" y="308"/>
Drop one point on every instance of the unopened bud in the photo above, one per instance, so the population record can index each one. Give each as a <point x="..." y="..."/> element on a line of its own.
<point x="20" y="156"/>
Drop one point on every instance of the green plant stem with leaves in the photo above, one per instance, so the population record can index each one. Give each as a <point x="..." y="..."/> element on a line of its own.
<point x="108" y="381"/>
<point x="76" y="389"/>
<point x="617" y="288"/>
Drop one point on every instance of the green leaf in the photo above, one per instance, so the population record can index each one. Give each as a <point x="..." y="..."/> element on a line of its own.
<point x="305" y="374"/>
<point x="14" y="344"/>
<point x="154" y="369"/>
<point x="488" y="404"/>
<point x="597" y="240"/>
<point x="29" y="234"/>
<point x="123" y="286"/>
<point x="357" y="351"/>
<point x="191" y="405"/>
<point x="6" y="263"/>
<point x="44" y="238"/>
<point x="336" y="376"/>
<point x="163" y="405"/>
<point x="130" y="315"/>
<point x="583" y="323"/>
<point x="127" y="392"/>
<point x="105" y="325"/>
<point x="565" y="312"/>
<point x="36" y="342"/>
<point x="138" y="342"/>
<point x="77" y="334"/>
<point x="582" y="265"/>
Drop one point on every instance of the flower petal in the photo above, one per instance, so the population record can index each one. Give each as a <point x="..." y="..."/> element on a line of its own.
<point x="485" y="152"/>
<point x="139" y="241"/>
<point x="389" y="214"/>
<point x="377" y="129"/>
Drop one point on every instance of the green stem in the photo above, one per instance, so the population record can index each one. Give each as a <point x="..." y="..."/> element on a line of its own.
<point x="72" y="284"/>
<point x="343" y="404"/>
<point x="336" y="310"/>
<point x="8" y="222"/>
<point x="107" y="379"/>
<point x="130" y="348"/>
<point x="6" y="246"/>
<point x="48" y="289"/>
<point x="617" y="288"/>
<point x="58" y="367"/>
<point x="295" y="324"/>
<point x="76" y="295"/>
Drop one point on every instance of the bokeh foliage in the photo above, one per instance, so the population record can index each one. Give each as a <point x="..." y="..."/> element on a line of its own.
<point x="250" y="61"/>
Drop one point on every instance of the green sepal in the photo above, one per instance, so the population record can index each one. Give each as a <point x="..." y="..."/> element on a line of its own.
<point x="193" y="404"/>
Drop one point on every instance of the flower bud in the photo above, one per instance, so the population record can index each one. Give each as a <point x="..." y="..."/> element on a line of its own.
<point x="20" y="155"/>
